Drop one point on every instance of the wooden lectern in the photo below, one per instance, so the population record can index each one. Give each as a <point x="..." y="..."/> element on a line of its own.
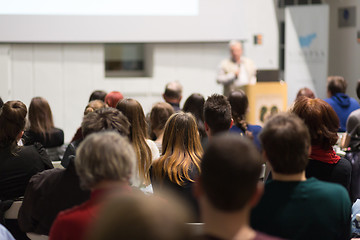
<point x="265" y="99"/>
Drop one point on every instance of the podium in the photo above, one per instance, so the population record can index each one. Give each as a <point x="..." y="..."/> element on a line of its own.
<point x="265" y="99"/>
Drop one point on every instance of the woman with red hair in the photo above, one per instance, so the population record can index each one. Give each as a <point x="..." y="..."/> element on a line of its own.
<point x="323" y="124"/>
<point x="112" y="98"/>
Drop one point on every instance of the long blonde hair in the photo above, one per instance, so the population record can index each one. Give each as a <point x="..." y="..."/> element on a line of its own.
<point x="138" y="132"/>
<point x="181" y="149"/>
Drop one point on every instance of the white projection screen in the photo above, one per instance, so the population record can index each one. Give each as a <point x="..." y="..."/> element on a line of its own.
<point x="93" y="21"/>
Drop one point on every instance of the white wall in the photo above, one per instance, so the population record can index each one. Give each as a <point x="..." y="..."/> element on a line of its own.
<point x="344" y="51"/>
<point x="66" y="74"/>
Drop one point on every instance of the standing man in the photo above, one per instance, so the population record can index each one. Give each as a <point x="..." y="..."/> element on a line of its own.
<point x="236" y="71"/>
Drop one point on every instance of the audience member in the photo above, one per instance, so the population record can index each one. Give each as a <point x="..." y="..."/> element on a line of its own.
<point x="352" y="136"/>
<point x="305" y="92"/>
<point x="42" y="128"/>
<point x="140" y="217"/>
<point x="1" y="103"/>
<point x="293" y="206"/>
<point x="159" y="114"/>
<point x="225" y="209"/>
<point x="112" y="98"/>
<point x="55" y="190"/>
<point x="239" y="108"/>
<point x="104" y="162"/>
<point x="98" y="95"/>
<point x="217" y="115"/>
<point x="339" y="101"/>
<point x="195" y="104"/>
<point x="179" y="164"/>
<point x="91" y="107"/>
<point x="173" y="94"/>
<point x="323" y="124"/>
<point x="145" y="149"/>
<point x="17" y="163"/>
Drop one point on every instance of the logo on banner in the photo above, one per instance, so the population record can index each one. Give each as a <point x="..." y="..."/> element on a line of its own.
<point x="305" y="41"/>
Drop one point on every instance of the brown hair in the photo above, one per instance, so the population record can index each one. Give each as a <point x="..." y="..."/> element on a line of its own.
<point x="12" y="122"/>
<point x="305" y="92"/>
<point x="40" y="116"/>
<point x="336" y="84"/>
<point x="181" y="149"/>
<point x="147" y="217"/>
<point x="94" y="105"/>
<point x="217" y="113"/>
<point x="98" y="95"/>
<point x="105" y="119"/>
<point x="286" y="142"/>
<point x="195" y="104"/>
<point x="321" y="120"/>
<point x="159" y="114"/>
<point x="239" y="105"/>
<point x="138" y="130"/>
<point x="230" y="159"/>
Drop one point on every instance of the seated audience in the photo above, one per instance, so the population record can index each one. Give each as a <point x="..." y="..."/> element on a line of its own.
<point x="352" y="136"/>
<point x="217" y="115"/>
<point x="293" y="206"/>
<point x="17" y="163"/>
<point x="98" y="95"/>
<point x="339" y="101"/>
<point x="55" y="190"/>
<point x="112" y="98"/>
<point x="179" y="165"/>
<point x="145" y="149"/>
<point x="195" y="104"/>
<point x="225" y="209"/>
<point x="323" y="123"/>
<point x="239" y="108"/>
<point x="305" y="92"/>
<point x="104" y="162"/>
<point x="159" y="114"/>
<point x="42" y="128"/>
<point x="71" y="148"/>
<point x="140" y="217"/>
<point x="173" y="94"/>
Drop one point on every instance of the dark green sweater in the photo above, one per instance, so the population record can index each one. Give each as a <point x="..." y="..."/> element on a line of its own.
<point x="311" y="209"/>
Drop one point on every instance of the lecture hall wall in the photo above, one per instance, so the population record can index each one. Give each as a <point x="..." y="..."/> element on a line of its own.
<point x="66" y="73"/>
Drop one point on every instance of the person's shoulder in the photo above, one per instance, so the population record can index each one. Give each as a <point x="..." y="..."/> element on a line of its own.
<point x="326" y="189"/>
<point x="263" y="236"/>
<point x="254" y="127"/>
<point x="45" y="177"/>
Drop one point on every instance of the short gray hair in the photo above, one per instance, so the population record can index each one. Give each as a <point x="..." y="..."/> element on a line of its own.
<point x="235" y="42"/>
<point x="104" y="156"/>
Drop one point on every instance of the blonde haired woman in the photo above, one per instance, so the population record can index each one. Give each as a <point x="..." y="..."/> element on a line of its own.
<point x="179" y="164"/>
<point x="145" y="149"/>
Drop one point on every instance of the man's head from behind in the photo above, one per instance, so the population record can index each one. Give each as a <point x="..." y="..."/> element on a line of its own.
<point x="173" y="92"/>
<point x="336" y="84"/>
<point x="105" y="119"/>
<point x="286" y="142"/>
<point x="217" y="114"/>
<point x="230" y="171"/>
